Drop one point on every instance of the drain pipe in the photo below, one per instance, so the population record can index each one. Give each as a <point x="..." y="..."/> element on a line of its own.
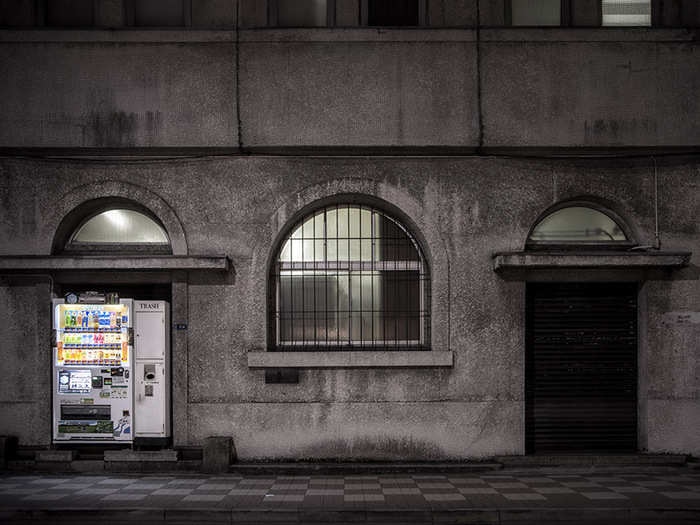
<point x="657" y="237"/>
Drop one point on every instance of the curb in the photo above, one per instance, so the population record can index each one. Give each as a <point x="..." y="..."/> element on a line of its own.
<point x="252" y="516"/>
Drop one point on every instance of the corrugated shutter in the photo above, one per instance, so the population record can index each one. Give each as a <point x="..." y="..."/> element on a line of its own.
<point x="581" y="367"/>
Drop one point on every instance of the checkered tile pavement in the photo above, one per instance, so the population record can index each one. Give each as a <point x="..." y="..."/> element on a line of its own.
<point x="680" y="488"/>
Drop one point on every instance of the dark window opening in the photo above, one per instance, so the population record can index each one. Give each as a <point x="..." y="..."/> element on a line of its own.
<point x="393" y="12"/>
<point x="159" y="13"/>
<point x="69" y="13"/>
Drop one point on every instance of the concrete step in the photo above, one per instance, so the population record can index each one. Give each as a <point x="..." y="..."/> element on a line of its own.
<point x="351" y="468"/>
<point x="592" y="460"/>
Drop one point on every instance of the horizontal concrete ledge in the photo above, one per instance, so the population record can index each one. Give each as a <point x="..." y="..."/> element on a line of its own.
<point x="587" y="34"/>
<point x="196" y="154"/>
<point x="589" y="260"/>
<point x="366" y="359"/>
<point x="356" y="34"/>
<point x="45" y="35"/>
<point x="349" y="34"/>
<point x="111" y="262"/>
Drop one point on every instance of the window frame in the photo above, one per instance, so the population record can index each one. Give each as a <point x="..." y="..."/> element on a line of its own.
<point x="534" y="245"/>
<point x="276" y="267"/>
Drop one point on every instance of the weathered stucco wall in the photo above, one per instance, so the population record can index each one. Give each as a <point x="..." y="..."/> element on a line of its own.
<point x="465" y="209"/>
<point x="112" y="94"/>
<point x="350" y="87"/>
<point x="596" y="89"/>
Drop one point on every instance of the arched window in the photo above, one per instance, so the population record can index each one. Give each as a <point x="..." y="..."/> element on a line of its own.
<point x="349" y="277"/>
<point x="119" y="229"/>
<point x="578" y="224"/>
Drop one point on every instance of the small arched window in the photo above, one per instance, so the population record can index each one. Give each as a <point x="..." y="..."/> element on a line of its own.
<point x="349" y="277"/>
<point x="578" y="224"/>
<point x="119" y="229"/>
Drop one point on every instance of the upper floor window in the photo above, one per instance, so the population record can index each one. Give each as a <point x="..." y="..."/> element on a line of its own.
<point x="349" y="276"/>
<point x="578" y="224"/>
<point x="301" y="13"/>
<point x="119" y="229"/>
<point x="535" y="12"/>
<point x="70" y="13"/>
<point x="626" y="12"/>
<point x="394" y="12"/>
<point x="159" y="13"/>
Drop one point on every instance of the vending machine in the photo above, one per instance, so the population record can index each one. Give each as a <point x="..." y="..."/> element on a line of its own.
<point x="151" y="370"/>
<point x="92" y="372"/>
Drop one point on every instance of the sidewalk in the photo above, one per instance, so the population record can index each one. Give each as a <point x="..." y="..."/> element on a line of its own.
<point x="663" y="495"/>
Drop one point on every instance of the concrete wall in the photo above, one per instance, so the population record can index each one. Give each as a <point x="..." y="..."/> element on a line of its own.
<point x="465" y="209"/>
<point x="342" y="87"/>
<point x="111" y="94"/>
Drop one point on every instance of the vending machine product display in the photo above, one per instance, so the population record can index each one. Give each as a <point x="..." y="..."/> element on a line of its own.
<point x="92" y="372"/>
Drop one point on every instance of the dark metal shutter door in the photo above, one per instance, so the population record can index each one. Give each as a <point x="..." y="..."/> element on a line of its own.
<point x="581" y="367"/>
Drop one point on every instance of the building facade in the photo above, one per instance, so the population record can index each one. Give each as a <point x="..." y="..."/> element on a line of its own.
<point x="444" y="230"/>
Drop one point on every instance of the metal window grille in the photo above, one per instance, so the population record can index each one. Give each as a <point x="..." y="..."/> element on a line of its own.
<point x="350" y="277"/>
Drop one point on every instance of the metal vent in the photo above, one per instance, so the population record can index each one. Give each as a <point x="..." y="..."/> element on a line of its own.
<point x="581" y="367"/>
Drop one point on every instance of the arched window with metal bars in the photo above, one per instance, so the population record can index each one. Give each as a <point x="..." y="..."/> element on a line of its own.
<point x="349" y="277"/>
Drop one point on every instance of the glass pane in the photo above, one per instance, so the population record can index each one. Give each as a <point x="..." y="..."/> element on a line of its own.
<point x="121" y="226"/>
<point x="626" y="12"/>
<point x="301" y="13"/>
<point x="577" y="224"/>
<point x="354" y="221"/>
<point x="332" y="223"/>
<point x="536" y="12"/>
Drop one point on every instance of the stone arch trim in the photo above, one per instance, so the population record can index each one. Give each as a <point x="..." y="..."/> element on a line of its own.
<point x="81" y="196"/>
<point x="394" y="200"/>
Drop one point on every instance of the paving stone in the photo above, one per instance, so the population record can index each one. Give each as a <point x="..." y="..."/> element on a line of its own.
<point x="525" y="497"/>
<point x="603" y="495"/>
<point x="204" y="497"/>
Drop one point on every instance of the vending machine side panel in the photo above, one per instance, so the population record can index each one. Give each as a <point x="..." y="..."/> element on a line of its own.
<point x="152" y="369"/>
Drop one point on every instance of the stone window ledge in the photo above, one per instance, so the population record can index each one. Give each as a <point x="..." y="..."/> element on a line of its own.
<point x="111" y="262"/>
<point x="589" y="260"/>
<point x="365" y="359"/>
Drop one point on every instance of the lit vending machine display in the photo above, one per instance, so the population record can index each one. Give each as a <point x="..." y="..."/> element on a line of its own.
<point x="92" y="360"/>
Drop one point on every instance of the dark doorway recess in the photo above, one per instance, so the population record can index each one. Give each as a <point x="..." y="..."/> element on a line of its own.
<point x="581" y="367"/>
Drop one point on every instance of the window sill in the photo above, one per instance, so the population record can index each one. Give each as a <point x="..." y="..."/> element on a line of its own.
<point x="365" y="359"/>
